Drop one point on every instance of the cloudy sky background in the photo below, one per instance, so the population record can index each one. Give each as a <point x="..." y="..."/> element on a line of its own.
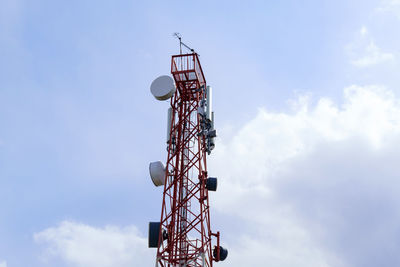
<point x="307" y="102"/>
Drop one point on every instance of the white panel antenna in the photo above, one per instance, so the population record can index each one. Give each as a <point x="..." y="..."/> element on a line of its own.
<point x="209" y="102"/>
<point x="169" y="121"/>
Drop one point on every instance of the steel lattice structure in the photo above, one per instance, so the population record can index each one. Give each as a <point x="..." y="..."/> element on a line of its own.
<point x="185" y="235"/>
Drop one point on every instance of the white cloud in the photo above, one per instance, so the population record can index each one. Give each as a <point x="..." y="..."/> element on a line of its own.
<point x="83" y="245"/>
<point x="373" y="55"/>
<point x="390" y="6"/>
<point x="365" y="53"/>
<point x="3" y="264"/>
<point x="317" y="187"/>
<point x="370" y="113"/>
<point x="364" y="31"/>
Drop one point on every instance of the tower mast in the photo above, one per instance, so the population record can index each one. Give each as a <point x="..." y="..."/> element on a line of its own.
<point x="183" y="236"/>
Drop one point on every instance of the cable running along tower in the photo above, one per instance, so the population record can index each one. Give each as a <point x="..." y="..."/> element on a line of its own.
<point x="183" y="236"/>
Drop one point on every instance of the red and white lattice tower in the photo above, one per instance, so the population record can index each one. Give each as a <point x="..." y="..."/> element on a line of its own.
<point x="183" y="237"/>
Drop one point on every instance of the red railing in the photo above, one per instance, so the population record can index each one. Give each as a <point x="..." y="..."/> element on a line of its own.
<point x="187" y="68"/>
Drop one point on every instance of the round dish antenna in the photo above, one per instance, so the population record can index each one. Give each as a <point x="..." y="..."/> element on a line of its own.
<point x="157" y="173"/>
<point x="163" y="87"/>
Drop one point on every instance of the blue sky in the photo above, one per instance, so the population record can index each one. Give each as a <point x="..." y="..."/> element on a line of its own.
<point x="300" y="90"/>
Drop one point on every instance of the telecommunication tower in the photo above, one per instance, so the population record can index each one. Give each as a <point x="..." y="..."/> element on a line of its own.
<point x="183" y="236"/>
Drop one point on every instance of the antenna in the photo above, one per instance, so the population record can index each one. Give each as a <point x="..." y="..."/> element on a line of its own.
<point x="179" y="37"/>
<point x="163" y="87"/>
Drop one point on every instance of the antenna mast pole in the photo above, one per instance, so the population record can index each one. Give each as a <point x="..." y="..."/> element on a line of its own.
<point x="177" y="35"/>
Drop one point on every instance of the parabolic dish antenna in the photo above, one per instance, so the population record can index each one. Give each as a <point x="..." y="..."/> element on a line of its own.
<point x="157" y="173"/>
<point x="163" y="87"/>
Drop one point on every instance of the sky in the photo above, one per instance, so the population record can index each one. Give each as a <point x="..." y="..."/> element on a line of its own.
<point x="307" y="111"/>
